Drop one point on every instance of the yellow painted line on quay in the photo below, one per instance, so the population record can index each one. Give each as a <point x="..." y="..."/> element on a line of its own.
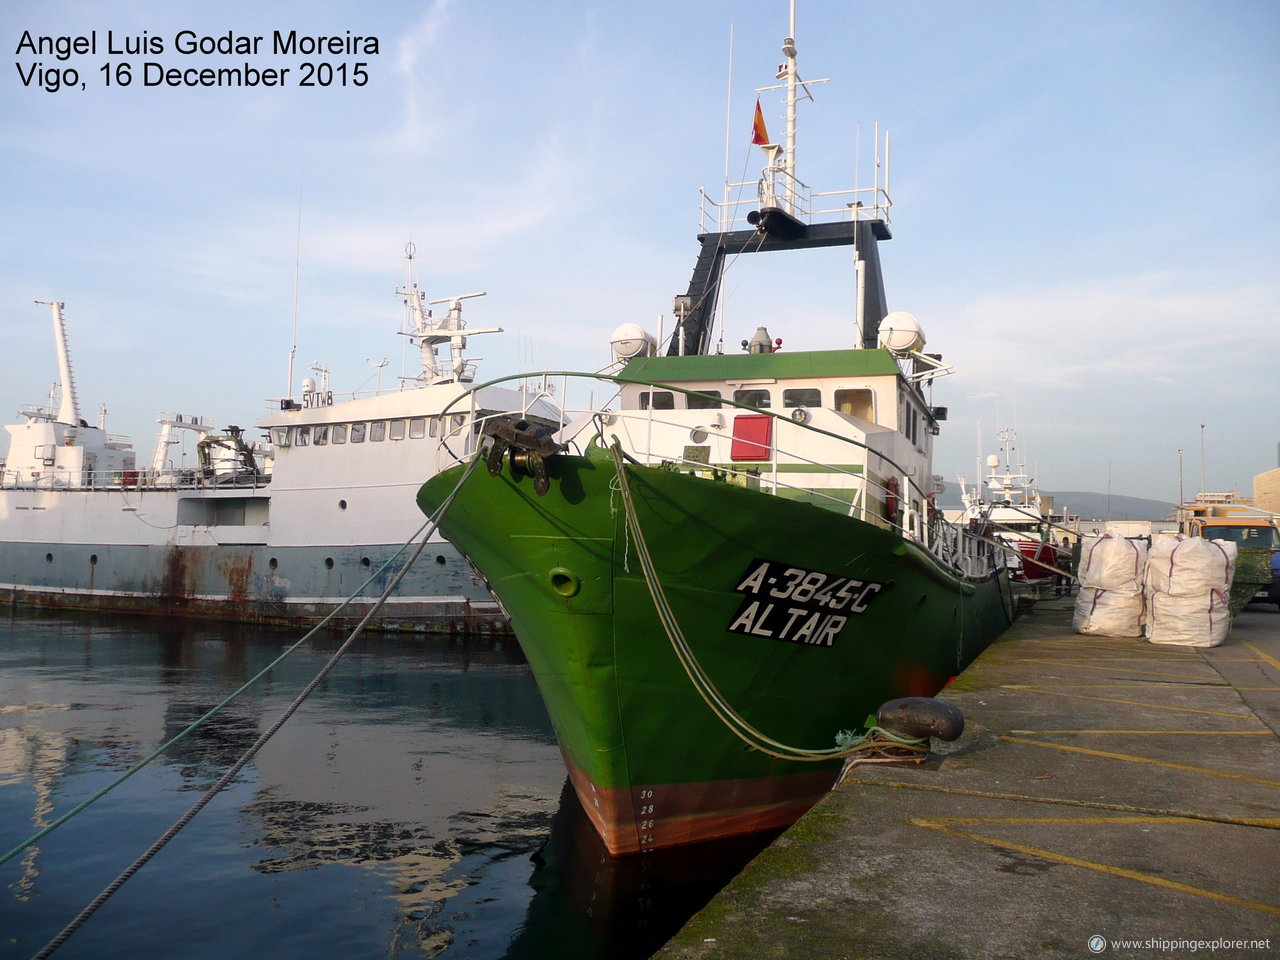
<point x="1270" y="823"/>
<point x="1132" y="685"/>
<point x="1265" y="657"/>
<point x="1179" y="733"/>
<point x="1132" y="703"/>
<point x="1111" y="699"/>
<point x="1163" y="658"/>
<point x="1130" y="758"/>
<point x="943" y="825"/>
<point x="1097" y="666"/>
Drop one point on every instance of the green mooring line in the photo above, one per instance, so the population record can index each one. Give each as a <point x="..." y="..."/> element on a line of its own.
<point x="41" y="834"/>
<point x="110" y="890"/>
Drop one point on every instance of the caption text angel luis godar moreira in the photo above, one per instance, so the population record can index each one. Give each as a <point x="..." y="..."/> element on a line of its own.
<point x="58" y="63"/>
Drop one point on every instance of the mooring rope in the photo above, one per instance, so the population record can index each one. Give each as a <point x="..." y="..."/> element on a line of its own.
<point x="213" y="711"/>
<point x="707" y="689"/>
<point x="1022" y="556"/>
<point x="217" y="708"/>
<point x="84" y="915"/>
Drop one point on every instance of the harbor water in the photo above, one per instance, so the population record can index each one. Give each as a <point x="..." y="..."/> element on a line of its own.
<point x="415" y="806"/>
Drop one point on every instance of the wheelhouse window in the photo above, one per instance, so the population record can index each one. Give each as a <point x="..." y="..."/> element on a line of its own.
<point x="806" y="397"/>
<point x="704" y="400"/>
<point x="753" y="398"/>
<point x="339" y="433"/>
<point x="357" y="432"/>
<point x="397" y="429"/>
<point x="377" y="431"/>
<point x="280" y="436"/>
<point x="434" y="428"/>
<point x="659" y="399"/>
<point x="321" y="435"/>
<point x="301" y="436"/>
<point x="459" y="421"/>
<point x="417" y="428"/>
<point x="856" y="403"/>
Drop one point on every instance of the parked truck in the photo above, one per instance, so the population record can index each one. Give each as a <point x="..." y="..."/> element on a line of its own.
<point x="1247" y="527"/>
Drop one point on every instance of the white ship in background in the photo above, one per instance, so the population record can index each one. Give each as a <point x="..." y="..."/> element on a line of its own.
<point x="276" y="531"/>
<point x="1019" y="515"/>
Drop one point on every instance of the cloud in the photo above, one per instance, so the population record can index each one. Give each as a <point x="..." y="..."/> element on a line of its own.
<point x="420" y="41"/>
<point x="1152" y="328"/>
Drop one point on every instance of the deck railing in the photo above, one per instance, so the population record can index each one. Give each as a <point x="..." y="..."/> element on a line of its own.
<point x="652" y="440"/>
<point x="131" y="480"/>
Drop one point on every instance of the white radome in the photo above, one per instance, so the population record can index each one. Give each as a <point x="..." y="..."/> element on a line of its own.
<point x="631" y="340"/>
<point x="900" y="332"/>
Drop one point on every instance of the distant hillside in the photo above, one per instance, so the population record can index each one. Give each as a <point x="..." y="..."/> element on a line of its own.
<point x="1091" y="506"/>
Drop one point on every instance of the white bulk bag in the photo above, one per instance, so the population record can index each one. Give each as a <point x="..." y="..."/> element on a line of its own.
<point x="1110" y="613"/>
<point x="1196" y="621"/>
<point x="1190" y="566"/>
<point x="1111" y="563"/>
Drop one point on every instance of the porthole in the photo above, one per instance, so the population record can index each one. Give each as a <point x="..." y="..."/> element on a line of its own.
<point x="48" y="558"/>
<point x="342" y="504"/>
<point x="328" y="562"/>
<point x="366" y="562"/>
<point x="273" y="563"/>
<point x="93" y="559"/>
<point x="440" y="560"/>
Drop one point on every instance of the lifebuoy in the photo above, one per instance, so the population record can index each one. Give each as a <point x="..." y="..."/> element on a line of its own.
<point x="891" y="499"/>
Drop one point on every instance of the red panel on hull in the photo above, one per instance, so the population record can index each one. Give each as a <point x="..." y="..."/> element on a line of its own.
<point x="752" y="437"/>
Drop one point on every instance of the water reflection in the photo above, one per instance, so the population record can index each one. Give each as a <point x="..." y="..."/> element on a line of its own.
<point x="633" y="905"/>
<point x="414" y="807"/>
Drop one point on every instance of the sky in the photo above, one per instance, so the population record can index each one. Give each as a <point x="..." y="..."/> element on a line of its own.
<point x="1086" y="207"/>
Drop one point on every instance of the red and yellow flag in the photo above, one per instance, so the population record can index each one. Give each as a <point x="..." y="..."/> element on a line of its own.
<point x="759" y="135"/>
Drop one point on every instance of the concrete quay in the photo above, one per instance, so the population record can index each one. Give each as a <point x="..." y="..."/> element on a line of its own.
<point x="1103" y="788"/>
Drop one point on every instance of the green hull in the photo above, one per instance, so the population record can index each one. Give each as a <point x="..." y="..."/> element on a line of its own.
<point x="805" y="620"/>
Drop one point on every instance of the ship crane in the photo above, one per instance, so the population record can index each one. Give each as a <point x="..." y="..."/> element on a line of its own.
<point x="169" y="422"/>
<point x="69" y="408"/>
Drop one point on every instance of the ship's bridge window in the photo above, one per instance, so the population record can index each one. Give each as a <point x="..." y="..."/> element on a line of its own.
<point x="397" y="429"/>
<point x="459" y="421"/>
<point x="660" y="400"/>
<point x="321" y="435"/>
<point x="357" y="432"/>
<point x="704" y="400"/>
<point x="753" y="398"/>
<point x="378" y="431"/>
<point x="339" y="433"/>
<point x="806" y="397"/>
<point x="280" y="436"/>
<point x="417" y="428"/>
<point x="856" y="403"/>
<point x="435" y="426"/>
<point x="301" y="436"/>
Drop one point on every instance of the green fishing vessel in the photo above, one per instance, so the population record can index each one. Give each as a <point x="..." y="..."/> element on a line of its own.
<point x="720" y="573"/>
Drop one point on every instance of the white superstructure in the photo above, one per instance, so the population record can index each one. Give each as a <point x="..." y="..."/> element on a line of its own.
<point x="278" y="530"/>
<point x="1013" y="507"/>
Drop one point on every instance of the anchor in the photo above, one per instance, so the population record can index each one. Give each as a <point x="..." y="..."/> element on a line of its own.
<point x="530" y="445"/>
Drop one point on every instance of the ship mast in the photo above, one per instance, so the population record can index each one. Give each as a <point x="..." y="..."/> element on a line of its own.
<point x="787" y="218"/>
<point x="431" y="332"/>
<point x="789" y="74"/>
